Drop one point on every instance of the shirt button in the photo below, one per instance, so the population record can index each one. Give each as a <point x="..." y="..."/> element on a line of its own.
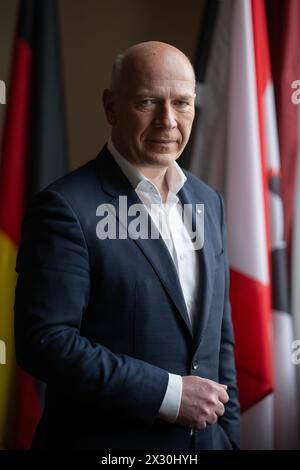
<point x="195" y="364"/>
<point x="189" y="304"/>
<point x="182" y="256"/>
<point x="199" y="211"/>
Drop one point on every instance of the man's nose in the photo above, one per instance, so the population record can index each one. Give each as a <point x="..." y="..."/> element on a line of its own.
<point x="165" y="117"/>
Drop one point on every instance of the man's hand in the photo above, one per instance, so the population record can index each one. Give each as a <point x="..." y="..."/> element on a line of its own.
<point x="202" y="401"/>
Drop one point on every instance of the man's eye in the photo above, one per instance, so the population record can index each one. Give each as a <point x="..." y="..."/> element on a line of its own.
<point x="181" y="104"/>
<point x="145" y="103"/>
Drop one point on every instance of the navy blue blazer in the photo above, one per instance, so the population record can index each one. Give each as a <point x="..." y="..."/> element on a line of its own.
<point x="102" y="322"/>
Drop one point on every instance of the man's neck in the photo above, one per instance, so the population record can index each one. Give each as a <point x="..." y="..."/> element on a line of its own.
<point x="157" y="176"/>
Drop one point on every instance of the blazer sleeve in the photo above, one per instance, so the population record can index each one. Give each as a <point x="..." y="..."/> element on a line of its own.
<point x="52" y="294"/>
<point x="230" y="421"/>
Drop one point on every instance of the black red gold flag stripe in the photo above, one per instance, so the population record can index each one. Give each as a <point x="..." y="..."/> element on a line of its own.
<point x="33" y="154"/>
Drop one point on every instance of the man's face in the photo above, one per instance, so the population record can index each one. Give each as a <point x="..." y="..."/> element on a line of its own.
<point x="154" y="110"/>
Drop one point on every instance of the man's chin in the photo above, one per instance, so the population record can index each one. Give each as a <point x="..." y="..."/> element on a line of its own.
<point x="160" y="158"/>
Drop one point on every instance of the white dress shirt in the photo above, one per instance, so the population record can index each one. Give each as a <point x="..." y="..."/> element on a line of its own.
<point x="168" y="219"/>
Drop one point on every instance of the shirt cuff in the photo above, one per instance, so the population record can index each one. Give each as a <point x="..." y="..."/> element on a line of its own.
<point x="169" y="408"/>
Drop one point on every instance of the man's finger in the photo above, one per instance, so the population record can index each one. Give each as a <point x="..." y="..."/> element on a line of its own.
<point x="223" y="396"/>
<point x="220" y="409"/>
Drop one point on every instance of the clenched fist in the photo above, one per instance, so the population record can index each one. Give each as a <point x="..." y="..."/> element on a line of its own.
<point x="202" y="401"/>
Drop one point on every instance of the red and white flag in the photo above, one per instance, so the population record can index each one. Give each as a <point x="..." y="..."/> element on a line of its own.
<point x="250" y="183"/>
<point x="248" y="230"/>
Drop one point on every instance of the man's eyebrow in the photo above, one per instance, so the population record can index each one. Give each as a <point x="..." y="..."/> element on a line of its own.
<point x="151" y="94"/>
<point x="187" y="96"/>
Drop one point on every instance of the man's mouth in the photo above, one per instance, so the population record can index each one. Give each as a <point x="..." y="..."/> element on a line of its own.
<point x="162" y="141"/>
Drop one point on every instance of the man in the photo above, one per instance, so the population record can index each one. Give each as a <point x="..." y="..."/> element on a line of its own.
<point x="132" y="334"/>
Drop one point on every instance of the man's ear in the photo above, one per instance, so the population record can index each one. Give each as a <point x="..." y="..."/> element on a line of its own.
<point x="109" y="106"/>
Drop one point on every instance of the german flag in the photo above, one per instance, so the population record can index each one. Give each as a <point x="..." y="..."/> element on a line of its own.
<point x="33" y="155"/>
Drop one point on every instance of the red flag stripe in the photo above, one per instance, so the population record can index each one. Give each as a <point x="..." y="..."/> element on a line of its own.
<point x="13" y="162"/>
<point x="25" y="418"/>
<point x="255" y="382"/>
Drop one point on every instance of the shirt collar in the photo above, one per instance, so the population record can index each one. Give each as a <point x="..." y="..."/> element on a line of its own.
<point x="175" y="176"/>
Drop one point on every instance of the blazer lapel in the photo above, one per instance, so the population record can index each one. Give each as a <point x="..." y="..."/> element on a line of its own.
<point x="206" y="258"/>
<point x="115" y="183"/>
<point x="158" y="255"/>
<point x="208" y="276"/>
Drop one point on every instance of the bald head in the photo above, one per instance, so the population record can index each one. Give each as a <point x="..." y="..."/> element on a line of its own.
<point x="151" y="104"/>
<point x="147" y="58"/>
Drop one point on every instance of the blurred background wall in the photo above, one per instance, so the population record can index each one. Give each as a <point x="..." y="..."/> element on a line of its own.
<point x="92" y="33"/>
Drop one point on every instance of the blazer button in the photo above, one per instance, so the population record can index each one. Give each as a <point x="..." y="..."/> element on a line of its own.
<point x="195" y="364"/>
